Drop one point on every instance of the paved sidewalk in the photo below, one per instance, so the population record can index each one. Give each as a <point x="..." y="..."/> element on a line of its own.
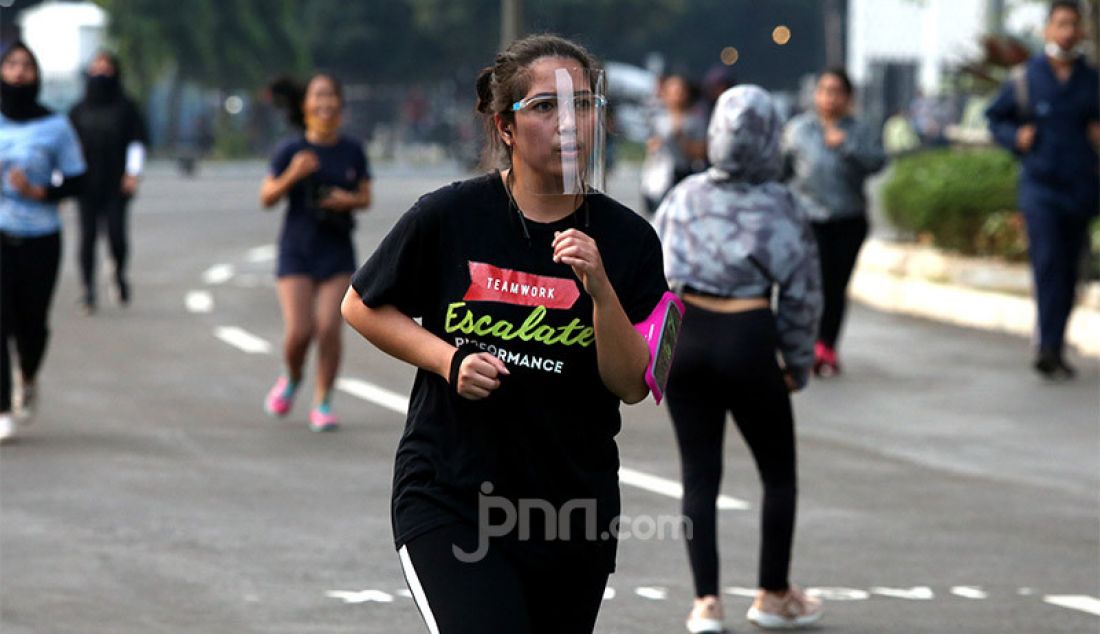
<point x="975" y="292"/>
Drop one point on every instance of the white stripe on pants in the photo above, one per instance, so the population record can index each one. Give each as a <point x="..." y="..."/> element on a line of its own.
<point x="417" y="590"/>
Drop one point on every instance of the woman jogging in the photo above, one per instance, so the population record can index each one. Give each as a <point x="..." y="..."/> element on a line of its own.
<point x="34" y="144"/>
<point x="325" y="178"/>
<point x="527" y="283"/>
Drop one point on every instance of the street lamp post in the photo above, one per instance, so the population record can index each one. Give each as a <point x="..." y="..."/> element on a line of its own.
<point x="511" y="21"/>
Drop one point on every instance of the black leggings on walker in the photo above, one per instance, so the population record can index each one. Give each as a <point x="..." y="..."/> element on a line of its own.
<point x="28" y="274"/>
<point x="726" y="363"/>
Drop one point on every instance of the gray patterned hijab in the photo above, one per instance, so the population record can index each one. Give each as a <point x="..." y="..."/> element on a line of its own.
<point x="743" y="140"/>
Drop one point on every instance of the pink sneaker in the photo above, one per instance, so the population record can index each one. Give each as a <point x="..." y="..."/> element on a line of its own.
<point x="322" y="419"/>
<point x="281" y="398"/>
<point x="825" y="361"/>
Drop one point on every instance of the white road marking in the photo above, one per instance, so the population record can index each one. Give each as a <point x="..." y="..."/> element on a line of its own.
<point x="739" y="591"/>
<point x="363" y="596"/>
<point x="242" y="340"/>
<point x="916" y="593"/>
<point x="654" y="594"/>
<point x="218" y="274"/>
<point x="969" y="592"/>
<point x="608" y="594"/>
<point x="199" y="302"/>
<point x="673" y="489"/>
<point x="374" y="394"/>
<point x="1081" y="602"/>
<point x="404" y="593"/>
<point x="264" y="253"/>
<point x="838" y="594"/>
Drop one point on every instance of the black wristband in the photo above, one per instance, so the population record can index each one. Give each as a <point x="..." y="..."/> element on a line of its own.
<point x="456" y="362"/>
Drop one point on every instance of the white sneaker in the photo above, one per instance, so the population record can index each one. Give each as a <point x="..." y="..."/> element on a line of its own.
<point x="706" y="617"/>
<point x="7" y="428"/>
<point x="791" y="611"/>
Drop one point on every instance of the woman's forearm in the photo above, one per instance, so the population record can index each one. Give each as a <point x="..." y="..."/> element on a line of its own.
<point x="274" y="188"/>
<point x="621" y="352"/>
<point x="396" y="334"/>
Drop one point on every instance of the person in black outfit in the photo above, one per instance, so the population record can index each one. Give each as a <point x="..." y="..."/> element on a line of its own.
<point x="113" y="136"/>
<point x="525" y="350"/>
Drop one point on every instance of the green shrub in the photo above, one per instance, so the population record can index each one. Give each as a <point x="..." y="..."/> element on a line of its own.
<point x="958" y="197"/>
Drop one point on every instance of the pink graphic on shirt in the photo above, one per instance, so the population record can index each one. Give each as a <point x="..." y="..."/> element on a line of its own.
<point x="492" y="284"/>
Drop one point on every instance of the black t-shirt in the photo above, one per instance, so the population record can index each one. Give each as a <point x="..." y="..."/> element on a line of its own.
<point x="343" y="165"/>
<point x="459" y="260"/>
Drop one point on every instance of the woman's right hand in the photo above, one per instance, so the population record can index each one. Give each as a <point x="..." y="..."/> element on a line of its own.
<point x="478" y="376"/>
<point x="304" y="163"/>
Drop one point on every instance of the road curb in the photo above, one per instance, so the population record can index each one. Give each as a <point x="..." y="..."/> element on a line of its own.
<point x="922" y="282"/>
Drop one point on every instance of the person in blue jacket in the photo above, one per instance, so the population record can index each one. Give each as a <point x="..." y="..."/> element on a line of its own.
<point x="1048" y="114"/>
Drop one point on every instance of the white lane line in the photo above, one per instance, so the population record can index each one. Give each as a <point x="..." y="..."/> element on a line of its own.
<point x="969" y="592"/>
<point x="242" y="340"/>
<point x="264" y="253"/>
<point x="916" y="593"/>
<point x="218" y="274"/>
<point x="673" y="489"/>
<point x="654" y="594"/>
<point x="837" y="593"/>
<point x="374" y="394"/>
<point x="1081" y="602"/>
<point x="199" y="302"/>
<point x="608" y="593"/>
<point x="740" y="591"/>
<point x="400" y="404"/>
<point x="363" y="596"/>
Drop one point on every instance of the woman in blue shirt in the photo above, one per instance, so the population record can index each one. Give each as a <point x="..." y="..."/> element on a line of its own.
<point x="34" y="145"/>
<point x="325" y="178"/>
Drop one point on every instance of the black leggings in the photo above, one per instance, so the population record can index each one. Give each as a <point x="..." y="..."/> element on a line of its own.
<point x="838" y="244"/>
<point x="28" y="274"/>
<point x="93" y="215"/>
<point x="496" y="594"/>
<point x="725" y="362"/>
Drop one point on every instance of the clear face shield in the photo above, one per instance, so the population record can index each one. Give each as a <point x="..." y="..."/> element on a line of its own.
<point x="559" y="131"/>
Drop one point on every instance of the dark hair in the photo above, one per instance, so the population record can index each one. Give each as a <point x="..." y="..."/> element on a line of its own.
<point x="1070" y="5"/>
<point x="842" y="76"/>
<point x="507" y="81"/>
<point x="290" y="95"/>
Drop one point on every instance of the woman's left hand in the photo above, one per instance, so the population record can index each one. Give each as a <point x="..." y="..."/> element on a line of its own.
<point x="340" y="200"/>
<point x="579" y="251"/>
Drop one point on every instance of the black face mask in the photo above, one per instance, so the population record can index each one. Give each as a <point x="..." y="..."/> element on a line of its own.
<point x="20" y="102"/>
<point x="102" y="89"/>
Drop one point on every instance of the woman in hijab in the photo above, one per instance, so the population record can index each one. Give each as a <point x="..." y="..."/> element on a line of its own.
<point x="734" y="237"/>
<point x="34" y="144"/>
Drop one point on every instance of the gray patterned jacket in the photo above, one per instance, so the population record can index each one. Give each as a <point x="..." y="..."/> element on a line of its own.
<point x="736" y="231"/>
<point x="828" y="181"/>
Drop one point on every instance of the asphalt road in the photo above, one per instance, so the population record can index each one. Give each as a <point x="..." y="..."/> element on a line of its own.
<point x="943" y="487"/>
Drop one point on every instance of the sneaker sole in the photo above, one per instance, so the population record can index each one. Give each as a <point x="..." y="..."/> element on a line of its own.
<point x="324" y="428"/>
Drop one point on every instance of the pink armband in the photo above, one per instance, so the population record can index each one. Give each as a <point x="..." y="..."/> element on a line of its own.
<point x="660" y="331"/>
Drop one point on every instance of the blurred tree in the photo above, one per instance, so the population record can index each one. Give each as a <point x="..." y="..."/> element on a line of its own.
<point x="234" y="44"/>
